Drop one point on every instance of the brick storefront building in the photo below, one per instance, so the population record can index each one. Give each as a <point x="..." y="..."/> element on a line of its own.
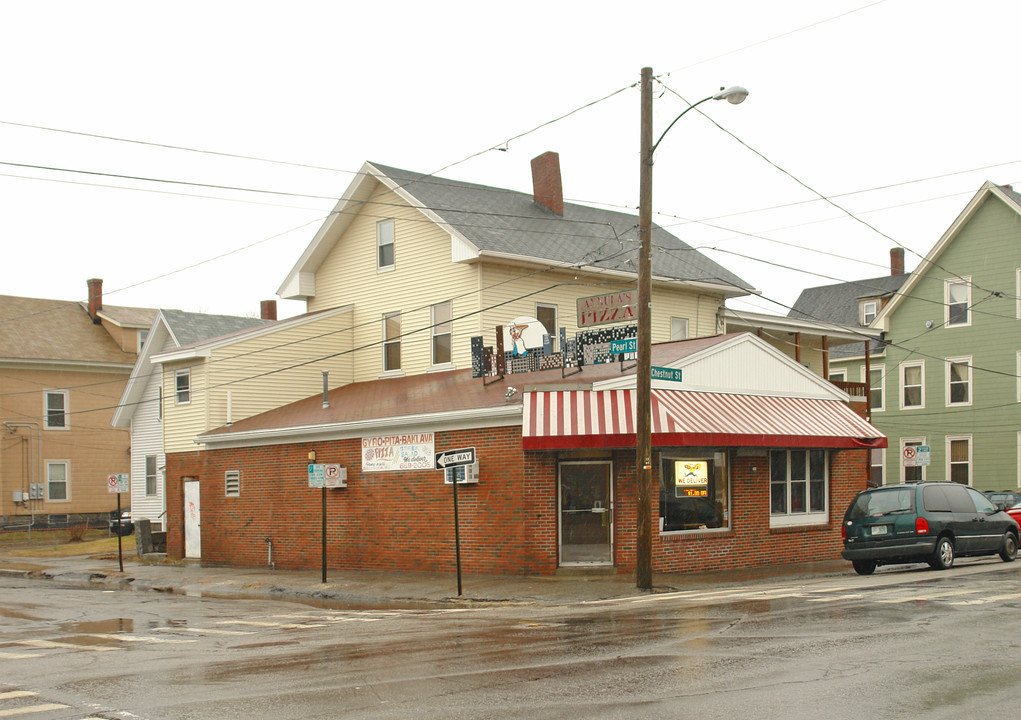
<point x="754" y="474"/>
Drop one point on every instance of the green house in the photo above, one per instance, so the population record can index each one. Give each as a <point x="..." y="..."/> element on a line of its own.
<point x="944" y="381"/>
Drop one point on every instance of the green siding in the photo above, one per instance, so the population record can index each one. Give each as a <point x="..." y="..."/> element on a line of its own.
<point x="988" y="250"/>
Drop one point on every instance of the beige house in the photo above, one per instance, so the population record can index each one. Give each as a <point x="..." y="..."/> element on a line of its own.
<point x="215" y="382"/>
<point x="63" y="366"/>
<point x="426" y="263"/>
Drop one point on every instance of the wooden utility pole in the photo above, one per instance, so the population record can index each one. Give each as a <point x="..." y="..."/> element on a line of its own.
<point x="643" y="373"/>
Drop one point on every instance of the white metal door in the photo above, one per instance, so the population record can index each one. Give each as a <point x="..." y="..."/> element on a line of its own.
<point x="192" y="518"/>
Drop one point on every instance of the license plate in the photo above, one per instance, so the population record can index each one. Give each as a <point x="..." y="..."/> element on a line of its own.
<point x="879" y="530"/>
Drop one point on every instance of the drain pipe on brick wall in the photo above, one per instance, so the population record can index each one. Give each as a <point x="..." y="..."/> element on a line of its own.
<point x="269" y="558"/>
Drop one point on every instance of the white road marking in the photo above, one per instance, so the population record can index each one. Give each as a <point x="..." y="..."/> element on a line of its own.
<point x="210" y="631"/>
<point x="17" y="694"/>
<point x="33" y="709"/>
<point x="70" y="646"/>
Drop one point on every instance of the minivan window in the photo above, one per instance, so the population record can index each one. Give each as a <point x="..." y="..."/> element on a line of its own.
<point x="982" y="504"/>
<point x="934" y="499"/>
<point x="881" y="502"/>
<point x="959" y="500"/>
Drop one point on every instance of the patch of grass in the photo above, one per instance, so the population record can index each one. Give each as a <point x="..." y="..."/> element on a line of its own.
<point x="56" y="543"/>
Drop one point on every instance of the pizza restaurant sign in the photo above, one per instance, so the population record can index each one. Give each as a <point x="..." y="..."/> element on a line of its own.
<point x="605" y="309"/>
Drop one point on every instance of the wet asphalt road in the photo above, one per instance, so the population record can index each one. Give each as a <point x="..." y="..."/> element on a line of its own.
<point x="908" y="644"/>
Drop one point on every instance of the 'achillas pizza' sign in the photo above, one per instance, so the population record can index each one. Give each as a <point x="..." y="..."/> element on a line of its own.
<point x="616" y="307"/>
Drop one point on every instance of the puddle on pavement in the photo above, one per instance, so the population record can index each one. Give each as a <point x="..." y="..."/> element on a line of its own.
<point x="108" y="627"/>
<point x="8" y="612"/>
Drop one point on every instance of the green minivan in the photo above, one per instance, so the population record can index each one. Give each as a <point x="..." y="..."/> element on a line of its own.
<point x="931" y="522"/>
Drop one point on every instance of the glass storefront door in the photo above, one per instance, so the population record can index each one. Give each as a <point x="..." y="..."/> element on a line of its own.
<point x="586" y="513"/>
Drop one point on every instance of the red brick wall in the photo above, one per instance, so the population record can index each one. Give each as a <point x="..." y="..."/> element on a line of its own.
<point x="403" y="521"/>
<point x="400" y="521"/>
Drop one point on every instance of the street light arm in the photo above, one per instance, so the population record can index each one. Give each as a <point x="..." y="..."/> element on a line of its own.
<point x="734" y="95"/>
<point x="690" y="107"/>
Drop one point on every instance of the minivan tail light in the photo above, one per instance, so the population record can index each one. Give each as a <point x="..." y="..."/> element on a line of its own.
<point x="921" y="526"/>
<point x="843" y="531"/>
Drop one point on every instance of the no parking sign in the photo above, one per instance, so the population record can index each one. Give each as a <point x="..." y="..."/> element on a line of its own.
<point x="118" y="483"/>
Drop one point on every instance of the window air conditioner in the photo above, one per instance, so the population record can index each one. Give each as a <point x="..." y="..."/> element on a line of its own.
<point x="465" y="474"/>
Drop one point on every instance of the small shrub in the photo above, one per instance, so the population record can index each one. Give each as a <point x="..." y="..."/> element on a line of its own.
<point x="76" y="529"/>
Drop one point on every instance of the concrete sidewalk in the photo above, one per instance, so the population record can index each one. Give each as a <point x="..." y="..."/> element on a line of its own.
<point x="365" y="589"/>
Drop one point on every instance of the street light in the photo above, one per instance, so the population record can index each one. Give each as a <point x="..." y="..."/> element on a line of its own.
<point x="643" y="379"/>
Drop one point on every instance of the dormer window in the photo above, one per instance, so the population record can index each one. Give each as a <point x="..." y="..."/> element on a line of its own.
<point x="868" y="311"/>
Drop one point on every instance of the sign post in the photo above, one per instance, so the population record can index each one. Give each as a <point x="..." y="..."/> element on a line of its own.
<point x="452" y="459"/>
<point x="119" y="484"/>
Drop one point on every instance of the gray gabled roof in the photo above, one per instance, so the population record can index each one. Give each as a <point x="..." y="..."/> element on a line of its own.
<point x="507" y="222"/>
<point x="191" y="327"/>
<point x="508" y="226"/>
<point x="839" y="303"/>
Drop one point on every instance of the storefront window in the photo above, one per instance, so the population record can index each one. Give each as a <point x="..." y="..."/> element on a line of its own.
<point x="797" y="486"/>
<point x="694" y="492"/>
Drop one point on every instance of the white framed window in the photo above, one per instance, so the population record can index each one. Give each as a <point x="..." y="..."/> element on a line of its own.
<point x="442" y="316"/>
<point x="877" y="386"/>
<point x="798" y="487"/>
<point x="385" y="245"/>
<point x="958" y="387"/>
<point x="151" y="486"/>
<point x="182" y="386"/>
<point x="547" y="315"/>
<point x="1017" y="291"/>
<point x="232" y="483"/>
<point x="838" y="375"/>
<point x="911" y="473"/>
<point x="877" y="469"/>
<point x="58" y="480"/>
<point x="958" y="302"/>
<point x="868" y="311"/>
<point x="392" y="342"/>
<point x="959" y="459"/>
<point x="142" y="335"/>
<point x="912" y="385"/>
<point x="56" y="402"/>
<point x="678" y="328"/>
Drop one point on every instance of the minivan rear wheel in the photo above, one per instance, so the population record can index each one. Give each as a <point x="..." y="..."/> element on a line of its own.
<point x="864" y="567"/>
<point x="943" y="557"/>
<point x="1008" y="551"/>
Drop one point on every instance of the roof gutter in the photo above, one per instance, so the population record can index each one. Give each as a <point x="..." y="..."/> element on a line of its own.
<point x="428" y="422"/>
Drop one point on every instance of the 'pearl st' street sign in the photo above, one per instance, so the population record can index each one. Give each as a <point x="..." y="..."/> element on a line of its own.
<point x="453" y="458"/>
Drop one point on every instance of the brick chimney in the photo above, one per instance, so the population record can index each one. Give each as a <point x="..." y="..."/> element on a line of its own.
<point x="547" y="190"/>
<point x="95" y="299"/>
<point x="268" y="310"/>
<point x="897" y="261"/>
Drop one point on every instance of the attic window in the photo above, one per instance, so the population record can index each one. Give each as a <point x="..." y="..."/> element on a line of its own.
<point x="868" y="312"/>
<point x="385" y="244"/>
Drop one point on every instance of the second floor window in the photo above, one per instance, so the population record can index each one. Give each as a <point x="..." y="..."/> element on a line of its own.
<point x="150" y="475"/>
<point x="959" y="381"/>
<point x="877" y="396"/>
<point x="547" y="316"/>
<point x="183" y="386"/>
<point x="912" y="389"/>
<point x="958" y="297"/>
<point x="678" y="328"/>
<point x="56" y="409"/>
<point x="385" y="244"/>
<point x="391" y="342"/>
<point x="441" y="322"/>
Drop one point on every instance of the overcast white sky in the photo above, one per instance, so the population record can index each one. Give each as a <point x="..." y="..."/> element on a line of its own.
<point x="898" y="110"/>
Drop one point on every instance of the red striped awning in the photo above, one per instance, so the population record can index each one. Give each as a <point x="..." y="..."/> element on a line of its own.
<point x="606" y="418"/>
